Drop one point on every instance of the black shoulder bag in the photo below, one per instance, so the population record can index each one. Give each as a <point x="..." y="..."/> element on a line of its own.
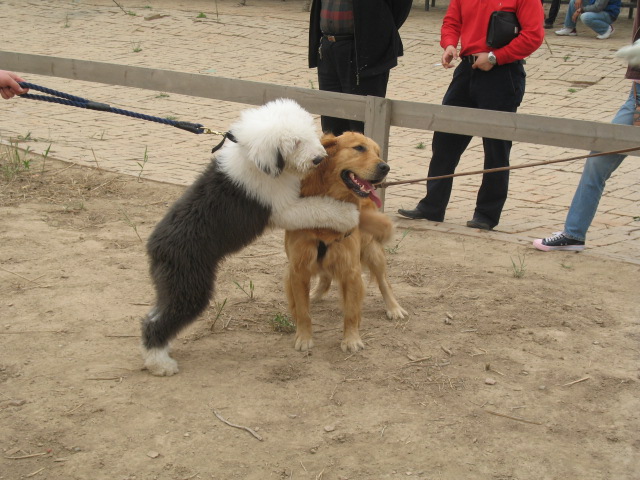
<point x="503" y="27"/>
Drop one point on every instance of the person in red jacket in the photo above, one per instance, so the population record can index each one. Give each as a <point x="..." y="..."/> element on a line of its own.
<point x="9" y="85"/>
<point x="485" y="78"/>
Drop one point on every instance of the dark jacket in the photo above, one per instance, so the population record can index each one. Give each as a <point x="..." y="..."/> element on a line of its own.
<point x="377" y="41"/>
<point x="634" y="72"/>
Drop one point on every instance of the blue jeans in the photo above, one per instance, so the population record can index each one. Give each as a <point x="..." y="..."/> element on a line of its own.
<point x="599" y="22"/>
<point x="597" y="171"/>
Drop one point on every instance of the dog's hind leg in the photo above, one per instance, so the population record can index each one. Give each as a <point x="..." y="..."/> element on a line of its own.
<point x="178" y="304"/>
<point x="321" y="288"/>
<point x="373" y="257"/>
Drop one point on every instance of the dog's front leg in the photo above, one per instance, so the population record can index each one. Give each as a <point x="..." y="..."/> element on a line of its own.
<point x="297" y="285"/>
<point x="317" y="212"/>
<point x="352" y="289"/>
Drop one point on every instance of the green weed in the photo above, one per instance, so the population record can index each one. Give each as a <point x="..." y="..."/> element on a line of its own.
<point x="14" y="161"/>
<point x="218" y="308"/>
<point x="142" y="165"/>
<point x="133" y="225"/>
<point x="519" y="268"/>
<point x="282" y="323"/>
<point x="244" y="290"/>
<point x="393" y="250"/>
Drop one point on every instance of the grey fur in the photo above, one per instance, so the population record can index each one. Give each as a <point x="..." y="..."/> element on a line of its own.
<point x="213" y="218"/>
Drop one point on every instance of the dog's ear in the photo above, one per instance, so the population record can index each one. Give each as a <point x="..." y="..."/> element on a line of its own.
<point x="329" y="142"/>
<point x="271" y="167"/>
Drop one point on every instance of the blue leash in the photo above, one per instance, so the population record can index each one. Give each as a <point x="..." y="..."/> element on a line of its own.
<point x="66" y="99"/>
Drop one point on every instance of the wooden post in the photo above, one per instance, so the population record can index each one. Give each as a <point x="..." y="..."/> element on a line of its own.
<point x="377" y="123"/>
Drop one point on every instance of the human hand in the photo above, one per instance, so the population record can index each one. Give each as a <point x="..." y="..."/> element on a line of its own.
<point x="482" y="62"/>
<point x="9" y="85"/>
<point x="450" y="54"/>
<point x="576" y="14"/>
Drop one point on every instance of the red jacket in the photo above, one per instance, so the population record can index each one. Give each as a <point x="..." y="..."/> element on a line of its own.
<point x="467" y="21"/>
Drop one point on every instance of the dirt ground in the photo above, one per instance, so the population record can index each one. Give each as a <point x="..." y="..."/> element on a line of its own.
<point x="512" y="363"/>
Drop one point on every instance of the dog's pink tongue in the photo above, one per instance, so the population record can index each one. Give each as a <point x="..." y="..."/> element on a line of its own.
<point x="373" y="195"/>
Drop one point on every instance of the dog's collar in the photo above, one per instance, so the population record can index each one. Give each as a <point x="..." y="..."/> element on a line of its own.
<point x="226" y="135"/>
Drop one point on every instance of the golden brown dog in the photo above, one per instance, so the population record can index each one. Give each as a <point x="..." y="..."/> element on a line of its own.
<point x="348" y="174"/>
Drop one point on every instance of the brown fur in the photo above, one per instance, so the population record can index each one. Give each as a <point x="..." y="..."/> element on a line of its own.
<point x="344" y="255"/>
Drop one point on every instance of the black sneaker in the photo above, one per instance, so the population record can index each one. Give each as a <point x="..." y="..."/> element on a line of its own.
<point x="548" y="25"/>
<point x="559" y="241"/>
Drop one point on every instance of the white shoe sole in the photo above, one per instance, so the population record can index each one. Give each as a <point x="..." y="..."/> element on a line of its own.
<point x="567" y="248"/>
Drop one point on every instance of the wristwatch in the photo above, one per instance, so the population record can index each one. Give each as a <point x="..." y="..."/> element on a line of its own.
<point x="492" y="58"/>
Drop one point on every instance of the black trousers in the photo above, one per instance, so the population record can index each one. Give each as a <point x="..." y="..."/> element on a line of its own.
<point x="502" y="89"/>
<point x="553" y="11"/>
<point x="337" y="72"/>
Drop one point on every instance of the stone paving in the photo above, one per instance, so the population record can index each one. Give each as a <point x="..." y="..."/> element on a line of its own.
<point x="265" y="40"/>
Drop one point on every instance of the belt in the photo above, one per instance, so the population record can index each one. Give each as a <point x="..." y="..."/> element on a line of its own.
<point x="338" y="38"/>
<point x="472" y="59"/>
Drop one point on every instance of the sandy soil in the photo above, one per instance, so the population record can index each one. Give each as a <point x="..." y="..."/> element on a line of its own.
<point x="492" y="376"/>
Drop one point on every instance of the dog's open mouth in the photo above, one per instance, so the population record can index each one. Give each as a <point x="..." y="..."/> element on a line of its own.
<point x="361" y="187"/>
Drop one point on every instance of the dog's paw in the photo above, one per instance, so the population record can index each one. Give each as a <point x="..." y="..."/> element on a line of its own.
<point x="159" y="363"/>
<point x="352" y="344"/>
<point x="303" y="343"/>
<point x="396" y="313"/>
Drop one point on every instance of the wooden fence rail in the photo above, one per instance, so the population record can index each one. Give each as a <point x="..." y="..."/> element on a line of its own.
<point x="379" y="114"/>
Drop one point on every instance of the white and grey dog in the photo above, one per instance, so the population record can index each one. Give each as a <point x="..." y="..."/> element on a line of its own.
<point x="249" y="185"/>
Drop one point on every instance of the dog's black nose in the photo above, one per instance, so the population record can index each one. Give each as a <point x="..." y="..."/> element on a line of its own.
<point x="383" y="168"/>
<point x="318" y="160"/>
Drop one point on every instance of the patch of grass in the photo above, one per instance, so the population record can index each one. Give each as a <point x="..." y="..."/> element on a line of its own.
<point x="519" y="268"/>
<point x="218" y="308"/>
<point x="421" y="146"/>
<point x="133" y="225"/>
<point x="201" y="15"/>
<point x="45" y="155"/>
<point x="135" y="46"/>
<point x="282" y="323"/>
<point x="25" y="138"/>
<point x="393" y="250"/>
<point x="249" y="292"/>
<point x="14" y="161"/>
<point x="162" y="95"/>
<point x="142" y="165"/>
<point x="572" y="90"/>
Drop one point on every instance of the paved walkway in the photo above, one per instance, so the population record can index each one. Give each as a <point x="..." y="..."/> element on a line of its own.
<point x="569" y="77"/>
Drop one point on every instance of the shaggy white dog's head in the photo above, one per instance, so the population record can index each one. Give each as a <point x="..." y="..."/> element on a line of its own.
<point x="279" y="136"/>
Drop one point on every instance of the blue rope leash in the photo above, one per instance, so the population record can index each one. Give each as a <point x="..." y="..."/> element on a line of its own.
<point x="66" y="99"/>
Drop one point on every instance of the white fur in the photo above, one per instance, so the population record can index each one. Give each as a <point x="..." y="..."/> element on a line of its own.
<point x="282" y="125"/>
<point x="631" y="53"/>
<point x="158" y="362"/>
